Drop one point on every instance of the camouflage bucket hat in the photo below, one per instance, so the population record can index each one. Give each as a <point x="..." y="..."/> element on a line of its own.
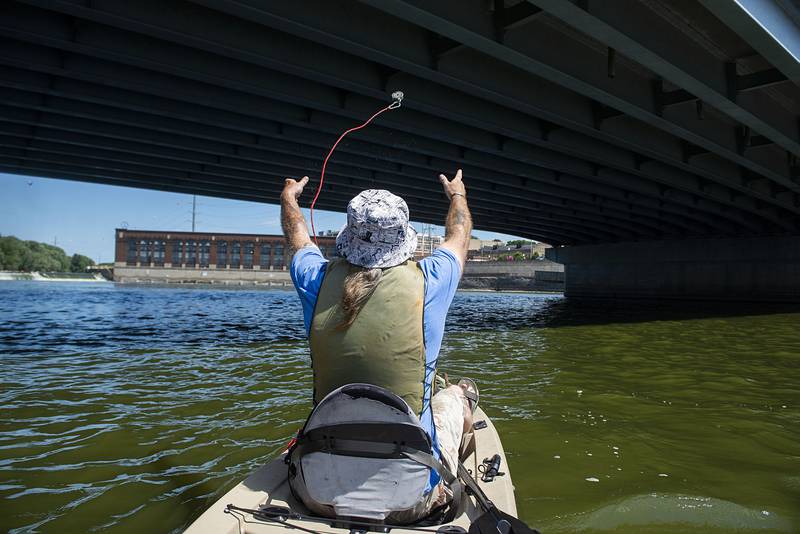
<point x="377" y="233"/>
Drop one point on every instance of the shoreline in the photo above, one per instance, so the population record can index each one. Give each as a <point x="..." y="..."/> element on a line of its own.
<point x="536" y="291"/>
<point x="260" y="287"/>
<point x="12" y="276"/>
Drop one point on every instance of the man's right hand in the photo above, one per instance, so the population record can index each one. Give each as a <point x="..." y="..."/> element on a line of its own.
<point x="458" y="225"/>
<point x="454" y="186"/>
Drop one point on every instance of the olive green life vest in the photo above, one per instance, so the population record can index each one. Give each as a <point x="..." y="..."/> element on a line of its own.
<point x="383" y="346"/>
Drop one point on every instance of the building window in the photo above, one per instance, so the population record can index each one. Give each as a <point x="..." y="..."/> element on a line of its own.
<point x="159" y="248"/>
<point x="222" y="254"/>
<point x="236" y="254"/>
<point x="191" y="253"/>
<point x="144" y="252"/>
<point x="177" y="252"/>
<point x="266" y="249"/>
<point x="277" y="261"/>
<point x="249" y="250"/>
<point x="131" y="257"/>
<point x="205" y="253"/>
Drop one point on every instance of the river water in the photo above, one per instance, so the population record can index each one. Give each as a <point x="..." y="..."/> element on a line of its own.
<point x="131" y="409"/>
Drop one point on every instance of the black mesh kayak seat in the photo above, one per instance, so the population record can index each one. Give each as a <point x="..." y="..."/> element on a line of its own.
<point x="363" y="454"/>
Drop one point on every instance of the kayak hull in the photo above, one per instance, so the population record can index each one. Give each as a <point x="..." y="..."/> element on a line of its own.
<point x="268" y="486"/>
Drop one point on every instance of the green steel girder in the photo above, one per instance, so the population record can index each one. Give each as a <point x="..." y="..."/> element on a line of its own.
<point x="333" y="97"/>
<point x="333" y="124"/>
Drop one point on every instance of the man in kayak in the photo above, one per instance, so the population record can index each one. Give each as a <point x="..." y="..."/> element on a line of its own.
<point x="377" y="317"/>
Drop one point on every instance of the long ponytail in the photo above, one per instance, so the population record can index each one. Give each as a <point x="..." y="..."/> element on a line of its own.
<point x="359" y="285"/>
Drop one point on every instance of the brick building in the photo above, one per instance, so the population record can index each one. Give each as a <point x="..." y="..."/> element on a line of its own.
<point x="426" y="245"/>
<point x="157" y="256"/>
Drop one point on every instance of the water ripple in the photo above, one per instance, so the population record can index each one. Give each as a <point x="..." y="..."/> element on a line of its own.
<point x="132" y="409"/>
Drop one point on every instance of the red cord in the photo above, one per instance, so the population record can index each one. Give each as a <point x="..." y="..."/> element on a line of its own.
<point x="325" y="164"/>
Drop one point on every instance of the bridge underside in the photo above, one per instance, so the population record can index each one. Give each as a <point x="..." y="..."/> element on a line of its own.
<point x="575" y="122"/>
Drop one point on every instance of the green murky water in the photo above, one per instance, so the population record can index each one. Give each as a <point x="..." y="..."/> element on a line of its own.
<point x="132" y="409"/>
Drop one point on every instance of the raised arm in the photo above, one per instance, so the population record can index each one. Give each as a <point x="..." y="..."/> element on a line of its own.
<point x="458" y="226"/>
<point x="294" y="224"/>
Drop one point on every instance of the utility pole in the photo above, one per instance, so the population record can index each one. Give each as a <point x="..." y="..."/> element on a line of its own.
<point x="194" y="209"/>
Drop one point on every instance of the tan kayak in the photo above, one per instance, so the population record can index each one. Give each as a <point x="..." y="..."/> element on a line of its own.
<point x="269" y="487"/>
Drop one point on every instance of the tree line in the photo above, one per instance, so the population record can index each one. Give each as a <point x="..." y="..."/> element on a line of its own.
<point x="28" y="256"/>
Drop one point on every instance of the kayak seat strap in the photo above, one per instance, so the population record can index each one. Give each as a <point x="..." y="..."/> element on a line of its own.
<point x="374" y="449"/>
<point x="363" y="453"/>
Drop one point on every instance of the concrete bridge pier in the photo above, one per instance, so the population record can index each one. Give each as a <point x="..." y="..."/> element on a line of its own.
<point x="749" y="269"/>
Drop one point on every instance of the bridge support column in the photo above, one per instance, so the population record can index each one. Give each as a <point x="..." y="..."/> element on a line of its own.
<point x="750" y="269"/>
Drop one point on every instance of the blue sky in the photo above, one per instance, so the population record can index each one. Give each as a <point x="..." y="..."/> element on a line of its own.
<point x="81" y="217"/>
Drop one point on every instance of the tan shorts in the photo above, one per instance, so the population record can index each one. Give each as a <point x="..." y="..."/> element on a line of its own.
<point x="448" y="417"/>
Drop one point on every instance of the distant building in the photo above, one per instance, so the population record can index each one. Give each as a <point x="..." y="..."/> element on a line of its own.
<point x="478" y="244"/>
<point x="152" y="256"/>
<point x="158" y="256"/>
<point x="540" y="248"/>
<point x="483" y="250"/>
<point x="426" y="244"/>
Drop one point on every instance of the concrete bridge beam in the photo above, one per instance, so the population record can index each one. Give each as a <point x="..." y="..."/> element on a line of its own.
<point x="574" y="125"/>
<point x="772" y="28"/>
<point x="655" y="196"/>
<point x="103" y="42"/>
<point x="747" y="269"/>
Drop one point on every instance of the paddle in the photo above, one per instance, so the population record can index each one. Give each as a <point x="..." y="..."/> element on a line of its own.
<point x="492" y="521"/>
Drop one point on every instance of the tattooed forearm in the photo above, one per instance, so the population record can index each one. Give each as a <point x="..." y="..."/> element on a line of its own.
<point x="458" y="228"/>
<point x="458" y="225"/>
<point x="294" y="224"/>
<point x="459" y="221"/>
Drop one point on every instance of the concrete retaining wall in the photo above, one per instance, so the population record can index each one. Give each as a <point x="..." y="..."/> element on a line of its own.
<point x="526" y="269"/>
<point x="503" y="275"/>
<point x="540" y="275"/>
<point x="158" y="275"/>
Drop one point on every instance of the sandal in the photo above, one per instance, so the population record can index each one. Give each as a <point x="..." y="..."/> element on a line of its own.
<point x="470" y="392"/>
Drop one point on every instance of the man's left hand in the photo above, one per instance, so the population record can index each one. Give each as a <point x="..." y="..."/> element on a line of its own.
<point x="293" y="188"/>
